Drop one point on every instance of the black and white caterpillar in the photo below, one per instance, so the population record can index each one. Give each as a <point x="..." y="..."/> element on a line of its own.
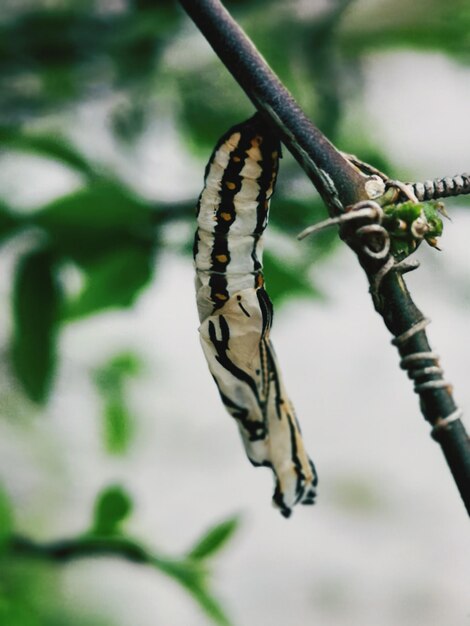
<point x="442" y="187"/>
<point x="236" y="313"/>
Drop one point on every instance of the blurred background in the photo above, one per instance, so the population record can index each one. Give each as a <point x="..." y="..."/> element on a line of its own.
<point x="110" y="424"/>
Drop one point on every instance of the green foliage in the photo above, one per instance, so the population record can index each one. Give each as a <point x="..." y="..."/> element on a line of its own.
<point x="6" y="521"/>
<point x="47" y="145"/>
<point x="25" y="594"/>
<point x="24" y="604"/>
<point x="215" y="538"/>
<point x="210" y="605"/>
<point x="112" y="507"/>
<point x="193" y="577"/>
<point x="102" y="217"/>
<point x="409" y="223"/>
<point x="209" y="105"/>
<point x="36" y="303"/>
<point x="67" y="49"/>
<point x="56" y="56"/>
<point x="427" y="24"/>
<point x="111" y="380"/>
<point x="191" y="573"/>
<point x="110" y="234"/>
<point x="113" y="281"/>
<point x="432" y="212"/>
<point x="292" y="214"/>
<point x="284" y="280"/>
<point x="9" y="222"/>
<point x="117" y="425"/>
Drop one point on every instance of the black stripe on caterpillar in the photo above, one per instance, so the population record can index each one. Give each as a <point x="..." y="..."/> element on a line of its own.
<point x="235" y="310"/>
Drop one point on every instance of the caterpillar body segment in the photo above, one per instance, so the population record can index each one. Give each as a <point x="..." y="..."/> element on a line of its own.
<point x="235" y="310"/>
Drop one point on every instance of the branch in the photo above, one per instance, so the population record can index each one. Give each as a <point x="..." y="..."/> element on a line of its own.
<point x="188" y="571"/>
<point x="81" y="547"/>
<point x="337" y="181"/>
<point x="341" y="184"/>
<point x="445" y="187"/>
<point x="405" y="321"/>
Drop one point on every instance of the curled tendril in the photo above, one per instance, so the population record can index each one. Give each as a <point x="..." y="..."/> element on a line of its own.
<point x="375" y="240"/>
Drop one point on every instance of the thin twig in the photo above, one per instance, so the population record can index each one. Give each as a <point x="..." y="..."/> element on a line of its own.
<point x="189" y="572"/>
<point x="81" y="547"/>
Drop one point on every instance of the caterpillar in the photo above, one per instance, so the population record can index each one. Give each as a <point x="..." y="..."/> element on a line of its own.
<point x="441" y="187"/>
<point x="236" y="313"/>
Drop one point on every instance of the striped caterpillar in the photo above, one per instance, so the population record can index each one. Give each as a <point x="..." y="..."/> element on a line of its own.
<point x="442" y="187"/>
<point x="236" y="313"/>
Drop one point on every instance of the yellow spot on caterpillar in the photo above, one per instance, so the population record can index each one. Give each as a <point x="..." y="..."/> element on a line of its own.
<point x="230" y="185"/>
<point x="256" y="141"/>
<point x="274" y="154"/>
<point x="236" y="159"/>
<point x="259" y="280"/>
<point x="220" y="296"/>
<point x="221" y="258"/>
<point x="226" y="216"/>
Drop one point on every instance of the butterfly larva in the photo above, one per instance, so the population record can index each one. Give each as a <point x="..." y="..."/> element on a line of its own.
<point x="236" y="313"/>
<point x="442" y="187"/>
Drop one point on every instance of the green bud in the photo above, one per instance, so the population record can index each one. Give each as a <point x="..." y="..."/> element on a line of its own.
<point x="409" y="223"/>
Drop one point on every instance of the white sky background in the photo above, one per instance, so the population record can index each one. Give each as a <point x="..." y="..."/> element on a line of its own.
<point x="401" y="560"/>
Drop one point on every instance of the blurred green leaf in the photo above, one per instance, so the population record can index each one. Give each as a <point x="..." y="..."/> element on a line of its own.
<point x="191" y="576"/>
<point x="322" y="244"/>
<point x="36" y="303"/>
<point x="9" y="222"/>
<point x="210" y="605"/>
<point x="51" y="37"/>
<point x="191" y="573"/>
<point x="284" y="280"/>
<point x="32" y="594"/>
<point x="53" y="55"/>
<point x="128" y="120"/>
<point x="113" y="281"/>
<point x="294" y="214"/>
<point x="426" y="24"/>
<point x="210" y="103"/>
<point x="102" y="217"/>
<point x="50" y="146"/>
<point x="215" y="538"/>
<point x="140" y="37"/>
<point x="117" y="428"/>
<point x="287" y="56"/>
<point x="188" y="573"/>
<point x="6" y="519"/>
<point x="25" y="592"/>
<point x="112" y="507"/>
<point x="291" y="215"/>
<point x="111" y="381"/>
<point x="114" y="372"/>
